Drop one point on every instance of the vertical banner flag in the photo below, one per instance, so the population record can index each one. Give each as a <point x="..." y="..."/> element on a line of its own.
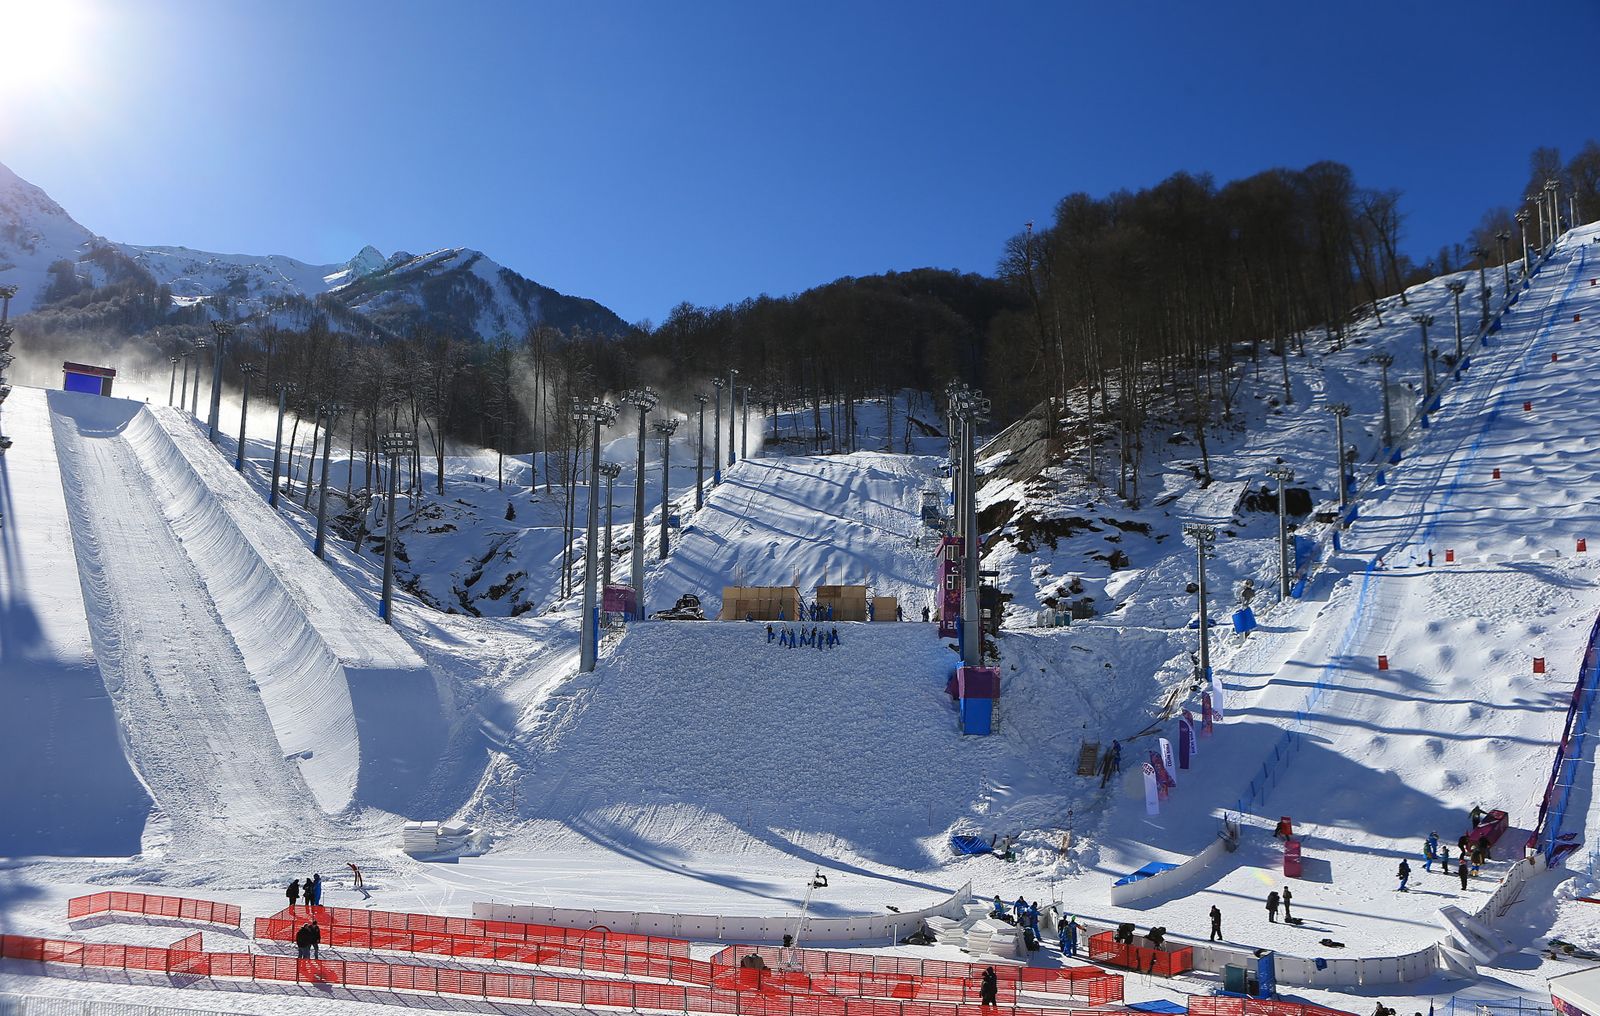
<point x="1188" y="747"/>
<point x="1205" y="713"/>
<point x="1219" y="699"/>
<point x="1166" y="759"/>
<point x="1163" y="781"/>
<point x="1152" y="802"/>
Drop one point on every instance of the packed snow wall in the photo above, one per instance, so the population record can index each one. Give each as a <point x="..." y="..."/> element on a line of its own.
<point x="68" y="789"/>
<point x="348" y="700"/>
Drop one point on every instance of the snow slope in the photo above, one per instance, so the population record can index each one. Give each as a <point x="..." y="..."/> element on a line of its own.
<point x="35" y="232"/>
<point x="70" y="789"/>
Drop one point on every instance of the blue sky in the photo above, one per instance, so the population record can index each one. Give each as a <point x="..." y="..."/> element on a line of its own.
<point x="649" y="153"/>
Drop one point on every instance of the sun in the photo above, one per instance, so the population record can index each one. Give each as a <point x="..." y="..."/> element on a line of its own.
<point x="45" y="41"/>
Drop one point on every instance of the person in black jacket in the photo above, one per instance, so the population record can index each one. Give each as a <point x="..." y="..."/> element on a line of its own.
<point x="989" y="988"/>
<point x="316" y="939"/>
<point x="1272" y="906"/>
<point x="302" y="941"/>
<point x="1216" y="924"/>
<point x="293" y="892"/>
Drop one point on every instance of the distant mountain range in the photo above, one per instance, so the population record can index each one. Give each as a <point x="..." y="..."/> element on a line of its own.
<point x="46" y="254"/>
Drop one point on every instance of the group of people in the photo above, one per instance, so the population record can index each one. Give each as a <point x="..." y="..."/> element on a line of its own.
<point x="792" y="639"/>
<point x="1471" y="856"/>
<point x="1274" y="901"/>
<point x="308" y="940"/>
<point x="311" y="892"/>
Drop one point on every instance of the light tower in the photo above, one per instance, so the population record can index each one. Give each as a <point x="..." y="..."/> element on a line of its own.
<point x="183" y="392"/>
<point x="1340" y="410"/>
<point x="1522" y="227"/>
<point x="1423" y="321"/>
<point x="200" y="346"/>
<point x="609" y="470"/>
<point x="1504" y="236"/>
<point x="716" y="433"/>
<point x="732" y="415"/>
<point x="1457" y="287"/>
<point x="1205" y="542"/>
<point x="172" y="385"/>
<point x="700" y="454"/>
<point x="1384" y="361"/>
<point x="971" y="409"/>
<point x="645" y="400"/>
<point x="333" y="410"/>
<point x="1282" y="474"/>
<point x="394" y="444"/>
<point x="1552" y="190"/>
<point x="6" y="357"/>
<point x="249" y="370"/>
<point x="222" y="329"/>
<point x="599" y="414"/>
<point x="665" y="429"/>
<point x="1483" y="287"/>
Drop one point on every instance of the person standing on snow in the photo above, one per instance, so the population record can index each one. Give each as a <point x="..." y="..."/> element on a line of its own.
<point x="1430" y="852"/>
<point x="302" y="942"/>
<point x="1272" y="907"/>
<point x="293" y="892"/>
<point x="1405" y="873"/>
<point x="1069" y="936"/>
<point x="316" y="939"/>
<point x="1463" y="871"/>
<point x="1287" y="896"/>
<point x="989" y="987"/>
<point x="314" y="894"/>
<point x="1216" y="924"/>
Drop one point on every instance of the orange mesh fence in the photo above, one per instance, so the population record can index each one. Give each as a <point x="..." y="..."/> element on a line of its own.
<point x="144" y="905"/>
<point x="1220" y="1005"/>
<point x="471" y="927"/>
<point x="1146" y="960"/>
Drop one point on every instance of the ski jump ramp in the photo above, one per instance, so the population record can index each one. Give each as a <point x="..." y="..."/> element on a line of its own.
<point x="200" y="602"/>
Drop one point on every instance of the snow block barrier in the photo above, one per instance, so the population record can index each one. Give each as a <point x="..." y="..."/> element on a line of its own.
<point x="346" y="697"/>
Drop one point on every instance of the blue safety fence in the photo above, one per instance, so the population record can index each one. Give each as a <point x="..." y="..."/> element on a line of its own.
<point x="1461" y="1005"/>
<point x="1564" y="774"/>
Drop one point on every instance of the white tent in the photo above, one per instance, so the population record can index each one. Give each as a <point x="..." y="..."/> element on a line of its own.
<point x="1577" y="993"/>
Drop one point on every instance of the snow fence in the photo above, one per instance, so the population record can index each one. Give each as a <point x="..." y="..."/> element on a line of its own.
<point x="347" y="697"/>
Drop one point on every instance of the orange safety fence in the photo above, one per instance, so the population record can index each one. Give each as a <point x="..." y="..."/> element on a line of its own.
<point x="186" y="957"/>
<point x="1145" y="959"/>
<point x="143" y="905"/>
<point x="944" y="979"/>
<point x="384" y="920"/>
<point x="589" y="956"/>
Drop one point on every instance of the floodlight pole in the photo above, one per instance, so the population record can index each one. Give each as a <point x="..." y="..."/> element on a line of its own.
<point x="600" y="414"/>
<point x="1505" y="260"/>
<point x="610" y="470"/>
<point x="172" y="385"/>
<point x="1522" y="228"/>
<point x="333" y="411"/>
<point x="700" y="455"/>
<point x="1423" y="321"/>
<point x="732" y="373"/>
<point x="183" y="393"/>
<point x="249" y="370"/>
<point x="1205" y="539"/>
<point x="1384" y="360"/>
<point x="1281" y="474"/>
<point x="971" y="408"/>
<point x="1457" y="287"/>
<point x="744" y="422"/>
<point x="716" y="434"/>
<point x="1340" y="410"/>
<point x="222" y="329"/>
<point x="1483" y="287"/>
<point x="665" y="429"/>
<point x="645" y="399"/>
<point x="200" y="346"/>
<point x="1553" y="187"/>
<point x="6" y="357"/>
<point x="394" y="444"/>
<point x="284" y="388"/>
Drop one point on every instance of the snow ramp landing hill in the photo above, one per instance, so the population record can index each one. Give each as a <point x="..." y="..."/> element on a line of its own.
<point x="249" y="687"/>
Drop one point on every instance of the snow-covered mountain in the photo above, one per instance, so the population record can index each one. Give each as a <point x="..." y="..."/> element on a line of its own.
<point x="454" y="289"/>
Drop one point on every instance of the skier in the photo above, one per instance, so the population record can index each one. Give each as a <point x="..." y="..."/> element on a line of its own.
<point x="1216" y="924"/>
<point x="1272" y="907"/>
<point x="293" y="892"/>
<point x="356" y="872"/>
<point x="989" y="987"/>
<point x="1287" y="896"/>
<point x="1405" y="873"/>
<point x="314" y="891"/>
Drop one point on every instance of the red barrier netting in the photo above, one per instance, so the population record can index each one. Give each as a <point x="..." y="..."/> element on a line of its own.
<point x="144" y="905"/>
<point x="941" y="976"/>
<point x="1161" y="962"/>
<point x="185" y="957"/>
<point x="471" y="927"/>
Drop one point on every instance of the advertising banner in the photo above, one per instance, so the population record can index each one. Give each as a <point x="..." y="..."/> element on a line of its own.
<point x="1152" y="800"/>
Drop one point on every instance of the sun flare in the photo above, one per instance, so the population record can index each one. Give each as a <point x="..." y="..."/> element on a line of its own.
<point x="44" y="42"/>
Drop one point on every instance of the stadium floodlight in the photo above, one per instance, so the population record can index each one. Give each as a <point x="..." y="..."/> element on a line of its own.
<point x="592" y="414"/>
<point x="1282" y="474"/>
<point x="172" y="384"/>
<point x="1340" y="410"/>
<point x="700" y="454"/>
<point x="222" y="329"/>
<point x="393" y="445"/>
<point x="1504" y="236"/>
<point x="249" y="370"/>
<point x="183" y="392"/>
<point x="332" y="410"/>
<point x="1205" y="544"/>
<point x="644" y="399"/>
<point x="665" y="428"/>
<point x="732" y="391"/>
<point x="609" y="470"/>
<point x="1522" y="227"/>
<point x="1384" y="361"/>
<point x="1483" y="287"/>
<point x="6" y="359"/>
<point x="971" y="408"/>
<point x="744" y="422"/>
<point x="1552" y="190"/>
<point x="200" y="346"/>
<point x="1423" y="321"/>
<point x="716" y="433"/>
<point x="1456" y="288"/>
<point x="283" y="388"/>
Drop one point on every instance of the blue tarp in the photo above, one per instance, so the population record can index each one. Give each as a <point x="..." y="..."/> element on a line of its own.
<point x="1160" y="1005"/>
<point x="1244" y="620"/>
<point x="969" y="845"/>
<point x="1153" y="868"/>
